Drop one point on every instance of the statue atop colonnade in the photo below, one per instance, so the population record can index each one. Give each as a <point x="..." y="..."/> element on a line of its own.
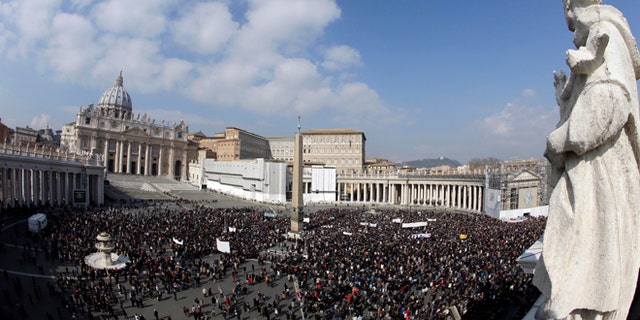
<point x="590" y="260"/>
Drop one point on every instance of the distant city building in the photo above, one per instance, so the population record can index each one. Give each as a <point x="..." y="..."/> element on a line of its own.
<point x="25" y="135"/>
<point x="380" y="166"/>
<point x="5" y="132"/>
<point x="130" y="143"/>
<point x="31" y="136"/>
<point x="49" y="137"/>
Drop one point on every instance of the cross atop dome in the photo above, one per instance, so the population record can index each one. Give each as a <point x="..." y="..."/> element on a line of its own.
<point x="119" y="80"/>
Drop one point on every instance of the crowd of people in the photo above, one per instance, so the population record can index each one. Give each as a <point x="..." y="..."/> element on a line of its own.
<point x="348" y="263"/>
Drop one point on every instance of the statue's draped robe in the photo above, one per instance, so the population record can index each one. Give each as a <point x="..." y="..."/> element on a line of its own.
<point x="591" y="253"/>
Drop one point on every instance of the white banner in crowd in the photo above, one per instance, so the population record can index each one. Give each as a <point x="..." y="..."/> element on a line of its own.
<point x="347" y="233"/>
<point x="223" y="246"/>
<point x="421" y="235"/>
<point x="366" y="224"/>
<point x="414" y="224"/>
<point x="431" y="220"/>
<point x="305" y="220"/>
<point x="178" y="241"/>
<point x="397" y="220"/>
<point x="232" y="229"/>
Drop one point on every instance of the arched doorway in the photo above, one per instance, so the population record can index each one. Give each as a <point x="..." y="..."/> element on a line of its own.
<point x="177" y="170"/>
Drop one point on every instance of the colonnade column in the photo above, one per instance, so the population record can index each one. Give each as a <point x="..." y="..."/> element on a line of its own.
<point x="50" y="186"/>
<point x="28" y="187"/>
<point x="473" y="198"/>
<point x="3" y="172"/>
<point x="147" y="159"/>
<point x="106" y="154"/>
<point x="160" y="160"/>
<point x="69" y="182"/>
<point x="128" y="166"/>
<point x="392" y="190"/>
<point x="35" y="186"/>
<point x="172" y="163"/>
<point x="116" y="158"/>
<point x="58" y="188"/>
<point x="139" y="162"/>
<point x="184" y="166"/>
<point x="19" y="180"/>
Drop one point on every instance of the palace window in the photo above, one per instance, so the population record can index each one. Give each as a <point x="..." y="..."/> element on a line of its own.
<point x="87" y="120"/>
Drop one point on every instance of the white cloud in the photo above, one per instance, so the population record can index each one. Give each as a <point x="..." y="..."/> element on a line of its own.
<point x="70" y="50"/>
<point x="41" y="121"/>
<point x="340" y="58"/>
<point x="6" y="37"/>
<point x="286" y="26"/>
<point x="529" y="93"/>
<point x="262" y="60"/>
<point x="205" y="28"/>
<point x="192" y="120"/>
<point x="30" y="20"/>
<point x="135" y="18"/>
<point x="516" y="125"/>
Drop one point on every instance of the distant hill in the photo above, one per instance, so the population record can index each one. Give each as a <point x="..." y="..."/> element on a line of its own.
<point x="430" y="163"/>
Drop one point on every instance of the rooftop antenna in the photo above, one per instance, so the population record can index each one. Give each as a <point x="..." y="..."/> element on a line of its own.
<point x="299" y="126"/>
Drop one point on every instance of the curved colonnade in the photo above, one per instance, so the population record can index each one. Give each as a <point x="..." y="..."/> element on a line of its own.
<point x="38" y="176"/>
<point x="449" y="191"/>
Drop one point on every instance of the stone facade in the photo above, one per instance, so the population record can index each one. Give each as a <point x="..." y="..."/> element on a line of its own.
<point x="25" y="135"/>
<point x="130" y="143"/>
<point x="235" y="144"/>
<point x="341" y="148"/>
<point x="281" y="148"/>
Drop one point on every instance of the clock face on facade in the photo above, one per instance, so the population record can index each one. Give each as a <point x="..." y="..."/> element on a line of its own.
<point x="528" y="197"/>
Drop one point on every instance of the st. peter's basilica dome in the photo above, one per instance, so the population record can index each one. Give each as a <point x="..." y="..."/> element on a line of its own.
<point x="116" y="98"/>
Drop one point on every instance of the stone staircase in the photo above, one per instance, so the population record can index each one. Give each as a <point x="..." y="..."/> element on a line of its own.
<point x="124" y="186"/>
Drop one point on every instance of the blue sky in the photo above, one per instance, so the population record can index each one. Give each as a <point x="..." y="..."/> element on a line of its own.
<point x="422" y="79"/>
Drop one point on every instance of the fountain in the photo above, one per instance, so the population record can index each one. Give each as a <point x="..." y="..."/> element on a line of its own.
<point x="105" y="258"/>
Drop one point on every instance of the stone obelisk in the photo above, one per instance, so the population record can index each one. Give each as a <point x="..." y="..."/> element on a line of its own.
<point x="296" y="199"/>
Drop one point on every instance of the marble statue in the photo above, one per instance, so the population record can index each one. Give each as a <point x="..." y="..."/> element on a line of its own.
<point x="590" y="259"/>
